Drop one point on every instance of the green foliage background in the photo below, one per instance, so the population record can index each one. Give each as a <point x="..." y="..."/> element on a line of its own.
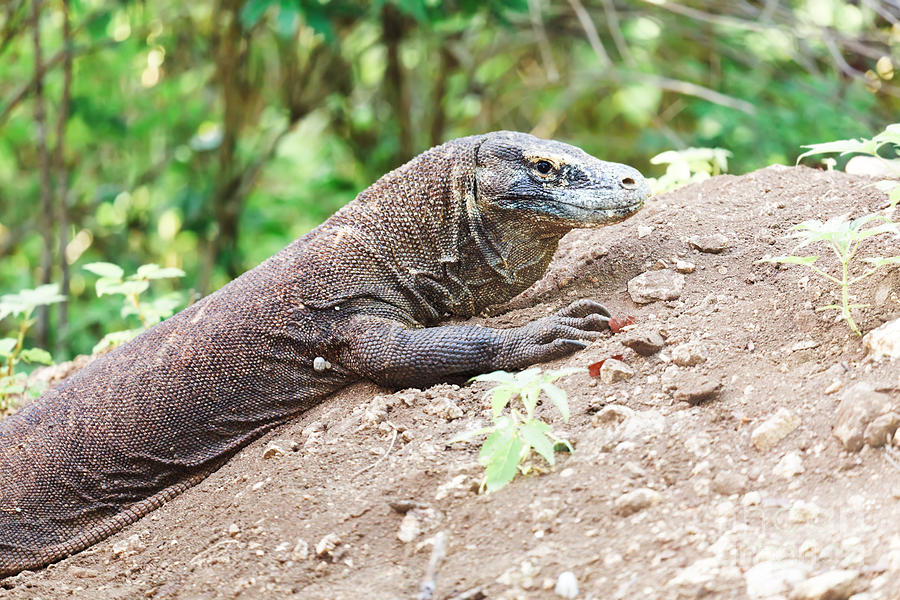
<point x="206" y="135"/>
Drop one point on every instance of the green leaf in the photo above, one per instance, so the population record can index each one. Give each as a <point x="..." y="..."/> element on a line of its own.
<point x="468" y="435"/>
<point x="559" y="398"/>
<point x="116" y="338"/>
<point x="500" y="456"/>
<point x="557" y="373"/>
<point x="894" y="196"/>
<point x="7" y="345"/>
<point x="791" y="260"/>
<point x="890" y="135"/>
<point x="880" y="261"/>
<point x="36" y="355"/>
<point x="500" y="397"/>
<point x="842" y="146"/>
<point x="534" y="432"/>
<point x="253" y="10"/>
<point x="105" y="270"/>
<point x="154" y="271"/>
<point x="112" y="286"/>
<point x="498" y="376"/>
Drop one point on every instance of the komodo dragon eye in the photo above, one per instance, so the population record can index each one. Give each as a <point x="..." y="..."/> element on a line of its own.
<point x="543" y="166"/>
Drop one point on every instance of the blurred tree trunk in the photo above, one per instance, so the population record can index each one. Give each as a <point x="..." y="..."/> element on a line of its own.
<point x="62" y="178"/>
<point x="397" y="92"/>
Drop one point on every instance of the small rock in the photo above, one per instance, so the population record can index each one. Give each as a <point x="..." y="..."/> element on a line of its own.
<point x="327" y="544"/>
<point x="642" y="231"/>
<point x="728" y="483"/>
<point x="129" y="547"/>
<point x="683" y="266"/>
<point x="884" y="340"/>
<point x="774" y="429"/>
<point x="698" y="390"/>
<point x="410" y="527"/>
<point x="832" y="585"/>
<point x="300" y="551"/>
<point x="615" y="370"/>
<point x="753" y="498"/>
<point x="445" y="408"/>
<point x="644" y="343"/>
<point x="566" y="585"/>
<point x="688" y="355"/>
<point x="273" y="450"/>
<point x="637" y="500"/>
<point x="711" y="244"/>
<point x="879" y="432"/>
<point x="802" y="512"/>
<point x="859" y="406"/>
<point x="233" y="530"/>
<point x="770" y="578"/>
<point x="612" y="415"/>
<point x="458" y="486"/>
<point x="376" y="410"/>
<point x="791" y="464"/>
<point x="656" y="285"/>
<point x="82" y="572"/>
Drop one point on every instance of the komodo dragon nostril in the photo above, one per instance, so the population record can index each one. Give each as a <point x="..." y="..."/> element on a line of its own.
<point x="628" y="183"/>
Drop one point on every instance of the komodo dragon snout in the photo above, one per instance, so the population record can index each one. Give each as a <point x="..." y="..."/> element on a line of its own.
<point x="366" y="295"/>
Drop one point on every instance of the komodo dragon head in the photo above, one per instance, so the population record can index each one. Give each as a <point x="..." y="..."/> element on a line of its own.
<point x="554" y="183"/>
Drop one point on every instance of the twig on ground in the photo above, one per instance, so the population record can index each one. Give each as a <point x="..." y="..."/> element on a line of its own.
<point x="383" y="456"/>
<point x="426" y="590"/>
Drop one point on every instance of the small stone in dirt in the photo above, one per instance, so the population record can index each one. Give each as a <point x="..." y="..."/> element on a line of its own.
<point x="884" y="340"/>
<point x="688" y="355"/>
<point x="879" y="432"/>
<point x="301" y="550"/>
<point x="273" y="450"/>
<point x="791" y="464"/>
<point x="644" y="343"/>
<point x="803" y="512"/>
<point x="711" y="244"/>
<point x="656" y="285"/>
<point x="128" y="547"/>
<point x="445" y="408"/>
<point x="233" y="530"/>
<point x="859" y="406"/>
<point x="832" y="585"/>
<point x="566" y="585"/>
<point x="615" y="370"/>
<point x="327" y="544"/>
<point x="771" y="578"/>
<point x="698" y="390"/>
<point x="637" y="500"/>
<point x="683" y="266"/>
<point x="774" y="429"/>
<point x="612" y="415"/>
<point x="82" y="572"/>
<point x="728" y="483"/>
<point x="410" y="527"/>
<point x="456" y="486"/>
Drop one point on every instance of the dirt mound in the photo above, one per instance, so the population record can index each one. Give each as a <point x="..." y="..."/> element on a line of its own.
<point x="667" y="494"/>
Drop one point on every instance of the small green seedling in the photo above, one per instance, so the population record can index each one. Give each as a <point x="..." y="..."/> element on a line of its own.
<point x="113" y="281"/>
<point x="688" y="166"/>
<point x="844" y="238"/>
<point x="888" y="138"/>
<point x="512" y="436"/>
<point x="12" y="350"/>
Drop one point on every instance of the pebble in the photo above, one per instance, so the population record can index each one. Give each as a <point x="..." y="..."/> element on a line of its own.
<point x="327" y="544"/>
<point x="727" y="483"/>
<point x="771" y="577"/>
<point x="803" y="512"/>
<point x="879" y="432"/>
<point x="273" y="450"/>
<point x="688" y="355"/>
<point x="83" y="572"/>
<point x="645" y="342"/>
<point x="860" y="405"/>
<point x="445" y="408"/>
<point x="883" y="341"/>
<point x="774" y="429"/>
<point x="566" y="585"/>
<point x="410" y="527"/>
<point x="711" y="244"/>
<point x="301" y="550"/>
<point x="615" y="370"/>
<point x="651" y="286"/>
<point x="697" y="390"/>
<point x="233" y="530"/>
<point x="789" y="466"/>
<point x="128" y="547"/>
<point x="683" y="266"/>
<point x="635" y="501"/>
<point x="832" y="585"/>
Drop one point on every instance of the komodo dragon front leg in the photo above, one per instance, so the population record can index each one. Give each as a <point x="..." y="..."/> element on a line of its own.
<point x="367" y="294"/>
<point x="396" y="356"/>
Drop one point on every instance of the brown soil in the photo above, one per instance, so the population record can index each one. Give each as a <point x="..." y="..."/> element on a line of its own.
<point x="241" y="533"/>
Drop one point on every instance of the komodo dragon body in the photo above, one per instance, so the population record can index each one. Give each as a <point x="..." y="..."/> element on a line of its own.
<point x="465" y="225"/>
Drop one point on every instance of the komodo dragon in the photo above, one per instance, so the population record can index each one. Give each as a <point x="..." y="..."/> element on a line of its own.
<point x="465" y="225"/>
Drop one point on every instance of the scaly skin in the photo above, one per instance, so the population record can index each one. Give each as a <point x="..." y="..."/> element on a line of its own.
<point x="463" y="226"/>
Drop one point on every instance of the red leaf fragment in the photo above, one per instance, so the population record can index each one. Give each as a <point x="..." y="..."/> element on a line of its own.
<point x="594" y="368"/>
<point x="617" y="323"/>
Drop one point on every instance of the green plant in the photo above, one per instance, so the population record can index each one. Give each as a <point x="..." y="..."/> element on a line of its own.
<point x="12" y="350"/>
<point x="844" y="238"/>
<point x="149" y="312"/>
<point x="872" y="147"/>
<point x="512" y="436"/>
<point x="688" y="166"/>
